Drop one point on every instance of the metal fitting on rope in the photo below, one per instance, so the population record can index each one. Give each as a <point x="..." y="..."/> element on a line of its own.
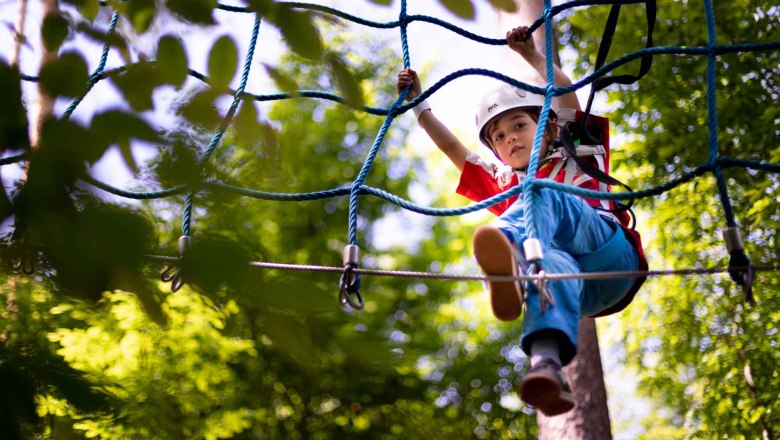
<point x="532" y="248"/>
<point x="733" y="238"/>
<point x="173" y="273"/>
<point x="534" y="255"/>
<point x="741" y="269"/>
<point x="185" y="243"/>
<point x="349" y="284"/>
<point x="23" y="259"/>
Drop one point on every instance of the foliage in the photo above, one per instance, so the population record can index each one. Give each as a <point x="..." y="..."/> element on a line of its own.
<point x="93" y="347"/>
<point x="701" y="352"/>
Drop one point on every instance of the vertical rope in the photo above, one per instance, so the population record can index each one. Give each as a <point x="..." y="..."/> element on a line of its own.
<point x="712" y="113"/>
<point x="189" y="200"/>
<point x="369" y="162"/>
<point x="404" y="40"/>
<point x="95" y="77"/>
<point x="531" y="191"/>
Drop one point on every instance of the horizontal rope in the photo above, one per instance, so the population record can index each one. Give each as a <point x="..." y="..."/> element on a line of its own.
<point x="468" y="277"/>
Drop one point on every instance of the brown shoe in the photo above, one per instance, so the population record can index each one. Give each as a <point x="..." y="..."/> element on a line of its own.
<point x="545" y="388"/>
<point x="494" y="255"/>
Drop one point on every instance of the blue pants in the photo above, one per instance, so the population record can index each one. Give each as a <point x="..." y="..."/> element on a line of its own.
<point x="575" y="239"/>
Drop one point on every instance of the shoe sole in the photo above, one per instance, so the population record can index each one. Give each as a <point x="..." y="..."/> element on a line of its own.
<point x="545" y="394"/>
<point x="493" y="252"/>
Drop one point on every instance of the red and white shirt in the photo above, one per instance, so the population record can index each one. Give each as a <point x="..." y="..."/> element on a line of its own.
<point x="481" y="180"/>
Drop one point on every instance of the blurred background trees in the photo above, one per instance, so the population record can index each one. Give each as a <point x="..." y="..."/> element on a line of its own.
<point x="93" y="345"/>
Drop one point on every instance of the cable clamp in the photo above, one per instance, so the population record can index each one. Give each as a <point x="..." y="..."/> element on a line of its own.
<point x="741" y="269"/>
<point x="349" y="284"/>
<point x="173" y="272"/>
<point x="23" y="259"/>
<point x="534" y="255"/>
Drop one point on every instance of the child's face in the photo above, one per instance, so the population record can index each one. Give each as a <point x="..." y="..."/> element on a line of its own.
<point x="512" y="137"/>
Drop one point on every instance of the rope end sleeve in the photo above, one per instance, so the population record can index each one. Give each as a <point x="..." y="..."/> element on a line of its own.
<point x="185" y="243"/>
<point x="532" y="248"/>
<point x="741" y="269"/>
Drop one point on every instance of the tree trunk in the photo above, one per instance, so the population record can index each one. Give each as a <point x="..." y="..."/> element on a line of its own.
<point x="18" y="33"/>
<point x="44" y="104"/>
<point x="590" y="418"/>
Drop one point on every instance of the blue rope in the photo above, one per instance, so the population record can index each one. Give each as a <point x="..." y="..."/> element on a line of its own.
<point x="97" y="74"/>
<point x="712" y="112"/>
<point x="188" y="203"/>
<point x="531" y="185"/>
<point x="531" y="191"/>
<point x="369" y="162"/>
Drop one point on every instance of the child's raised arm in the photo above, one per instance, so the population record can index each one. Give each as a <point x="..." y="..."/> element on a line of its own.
<point x="437" y="131"/>
<point x="521" y="42"/>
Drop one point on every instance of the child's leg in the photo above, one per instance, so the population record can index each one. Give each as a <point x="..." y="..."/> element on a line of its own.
<point x="550" y="337"/>
<point x="569" y="224"/>
<point x="571" y="232"/>
<point x="495" y="255"/>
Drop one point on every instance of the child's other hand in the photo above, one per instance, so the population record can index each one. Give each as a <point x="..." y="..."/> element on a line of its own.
<point x="521" y="41"/>
<point x="408" y="77"/>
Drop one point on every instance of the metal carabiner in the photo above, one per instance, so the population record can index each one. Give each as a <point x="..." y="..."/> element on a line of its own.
<point x="741" y="268"/>
<point x="23" y="260"/>
<point x="349" y="287"/>
<point x="170" y="272"/>
<point x="545" y="296"/>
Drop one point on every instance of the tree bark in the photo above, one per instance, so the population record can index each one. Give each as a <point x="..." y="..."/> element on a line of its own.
<point x="590" y="418"/>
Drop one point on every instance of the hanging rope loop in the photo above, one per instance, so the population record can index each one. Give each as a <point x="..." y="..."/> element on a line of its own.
<point x="23" y="260"/>
<point x="741" y="269"/>
<point x="173" y="272"/>
<point x="349" y="293"/>
<point x="349" y="284"/>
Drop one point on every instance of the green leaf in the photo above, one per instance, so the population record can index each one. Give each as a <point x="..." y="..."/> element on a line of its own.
<point x="171" y="60"/>
<point x="65" y="76"/>
<point x="13" y="115"/>
<point x="200" y="110"/>
<point x="178" y="165"/>
<point x="246" y="125"/>
<point x="299" y="32"/>
<point x="193" y="11"/>
<point x="118" y="127"/>
<point x="114" y="39"/>
<point x="54" y="31"/>
<point x="137" y="84"/>
<point x="262" y="7"/>
<point x="382" y="2"/>
<point x="345" y="81"/>
<point x="504" y="5"/>
<point x="284" y="82"/>
<point x="212" y="262"/>
<point x="461" y="8"/>
<point x="88" y="9"/>
<point x="141" y="14"/>
<point x="223" y="61"/>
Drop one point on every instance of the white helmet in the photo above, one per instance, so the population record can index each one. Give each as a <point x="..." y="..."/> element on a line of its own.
<point x="501" y="100"/>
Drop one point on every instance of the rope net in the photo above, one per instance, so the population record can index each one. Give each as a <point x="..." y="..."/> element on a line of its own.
<point x="740" y="267"/>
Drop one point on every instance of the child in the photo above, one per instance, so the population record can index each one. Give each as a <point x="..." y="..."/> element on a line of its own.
<point x="575" y="236"/>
